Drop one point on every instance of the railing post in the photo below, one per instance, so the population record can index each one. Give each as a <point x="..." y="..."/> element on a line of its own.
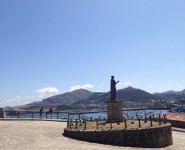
<point x="46" y="115"/>
<point x="85" y="124"/>
<point x="139" y="123"/>
<point x="125" y="120"/>
<point x="67" y="123"/>
<point x="151" y="121"/>
<point x="91" y="118"/>
<point x="145" y="118"/>
<point x="111" y="124"/>
<point x="32" y="114"/>
<point x="165" y="118"/>
<point x="96" y="124"/>
<point x="159" y="119"/>
<point x="76" y="122"/>
<point x="83" y="119"/>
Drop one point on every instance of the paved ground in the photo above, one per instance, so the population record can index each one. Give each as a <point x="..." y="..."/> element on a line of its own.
<point x="47" y="135"/>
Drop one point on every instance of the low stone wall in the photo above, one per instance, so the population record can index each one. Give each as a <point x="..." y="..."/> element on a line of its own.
<point x="177" y="123"/>
<point x="151" y="137"/>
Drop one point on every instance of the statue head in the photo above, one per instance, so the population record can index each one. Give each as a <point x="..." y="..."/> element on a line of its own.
<point x="112" y="77"/>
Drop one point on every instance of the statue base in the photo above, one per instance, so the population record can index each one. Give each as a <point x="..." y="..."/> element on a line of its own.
<point x="114" y="111"/>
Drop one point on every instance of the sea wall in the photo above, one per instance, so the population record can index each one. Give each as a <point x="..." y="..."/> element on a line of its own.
<point x="151" y="137"/>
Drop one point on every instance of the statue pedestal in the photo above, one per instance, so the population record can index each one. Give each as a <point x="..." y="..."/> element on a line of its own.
<point x="114" y="111"/>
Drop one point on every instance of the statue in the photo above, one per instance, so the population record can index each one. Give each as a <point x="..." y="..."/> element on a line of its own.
<point x="113" y="88"/>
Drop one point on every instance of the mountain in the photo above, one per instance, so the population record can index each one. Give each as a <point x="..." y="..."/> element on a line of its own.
<point x="127" y="94"/>
<point x="171" y="95"/>
<point x="69" y="97"/>
<point x="168" y="92"/>
<point x="76" y="99"/>
<point x="182" y="92"/>
<point x="132" y="94"/>
<point x="95" y="97"/>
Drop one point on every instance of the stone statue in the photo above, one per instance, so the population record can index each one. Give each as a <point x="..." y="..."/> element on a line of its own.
<point x="113" y="88"/>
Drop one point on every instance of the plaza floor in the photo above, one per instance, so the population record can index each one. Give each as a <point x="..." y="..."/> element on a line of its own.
<point x="47" y="135"/>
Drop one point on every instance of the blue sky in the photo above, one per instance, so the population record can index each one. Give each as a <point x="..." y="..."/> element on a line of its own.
<point x="51" y="47"/>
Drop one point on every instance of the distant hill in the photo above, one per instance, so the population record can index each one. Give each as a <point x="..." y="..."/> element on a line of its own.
<point x="69" y="97"/>
<point x="167" y="92"/>
<point x="127" y="94"/>
<point x="171" y="95"/>
<point x="85" y="97"/>
<point x="133" y="94"/>
<point x="76" y="99"/>
<point x="95" y="97"/>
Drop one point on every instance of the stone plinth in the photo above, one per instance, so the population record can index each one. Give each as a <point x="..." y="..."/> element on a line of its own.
<point x="114" y="111"/>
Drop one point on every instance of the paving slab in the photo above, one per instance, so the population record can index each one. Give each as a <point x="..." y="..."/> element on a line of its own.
<point x="47" y="135"/>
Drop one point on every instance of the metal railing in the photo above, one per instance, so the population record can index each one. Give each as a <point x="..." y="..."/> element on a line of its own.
<point x="34" y="114"/>
<point x="81" y="121"/>
<point x="103" y="124"/>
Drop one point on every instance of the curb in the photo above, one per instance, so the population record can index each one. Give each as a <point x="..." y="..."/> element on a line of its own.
<point x="178" y="129"/>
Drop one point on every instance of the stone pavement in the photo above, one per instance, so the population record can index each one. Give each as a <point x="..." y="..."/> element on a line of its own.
<point x="47" y="135"/>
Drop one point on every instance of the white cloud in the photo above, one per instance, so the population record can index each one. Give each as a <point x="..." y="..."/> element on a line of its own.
<point x="48" y="91"/>
<point x="127" y="84"/>
<point x="120" y="83"/>
<point x="85" y="86"/>
<point x="18" y="97"/>
<point x="99" y="91"/>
